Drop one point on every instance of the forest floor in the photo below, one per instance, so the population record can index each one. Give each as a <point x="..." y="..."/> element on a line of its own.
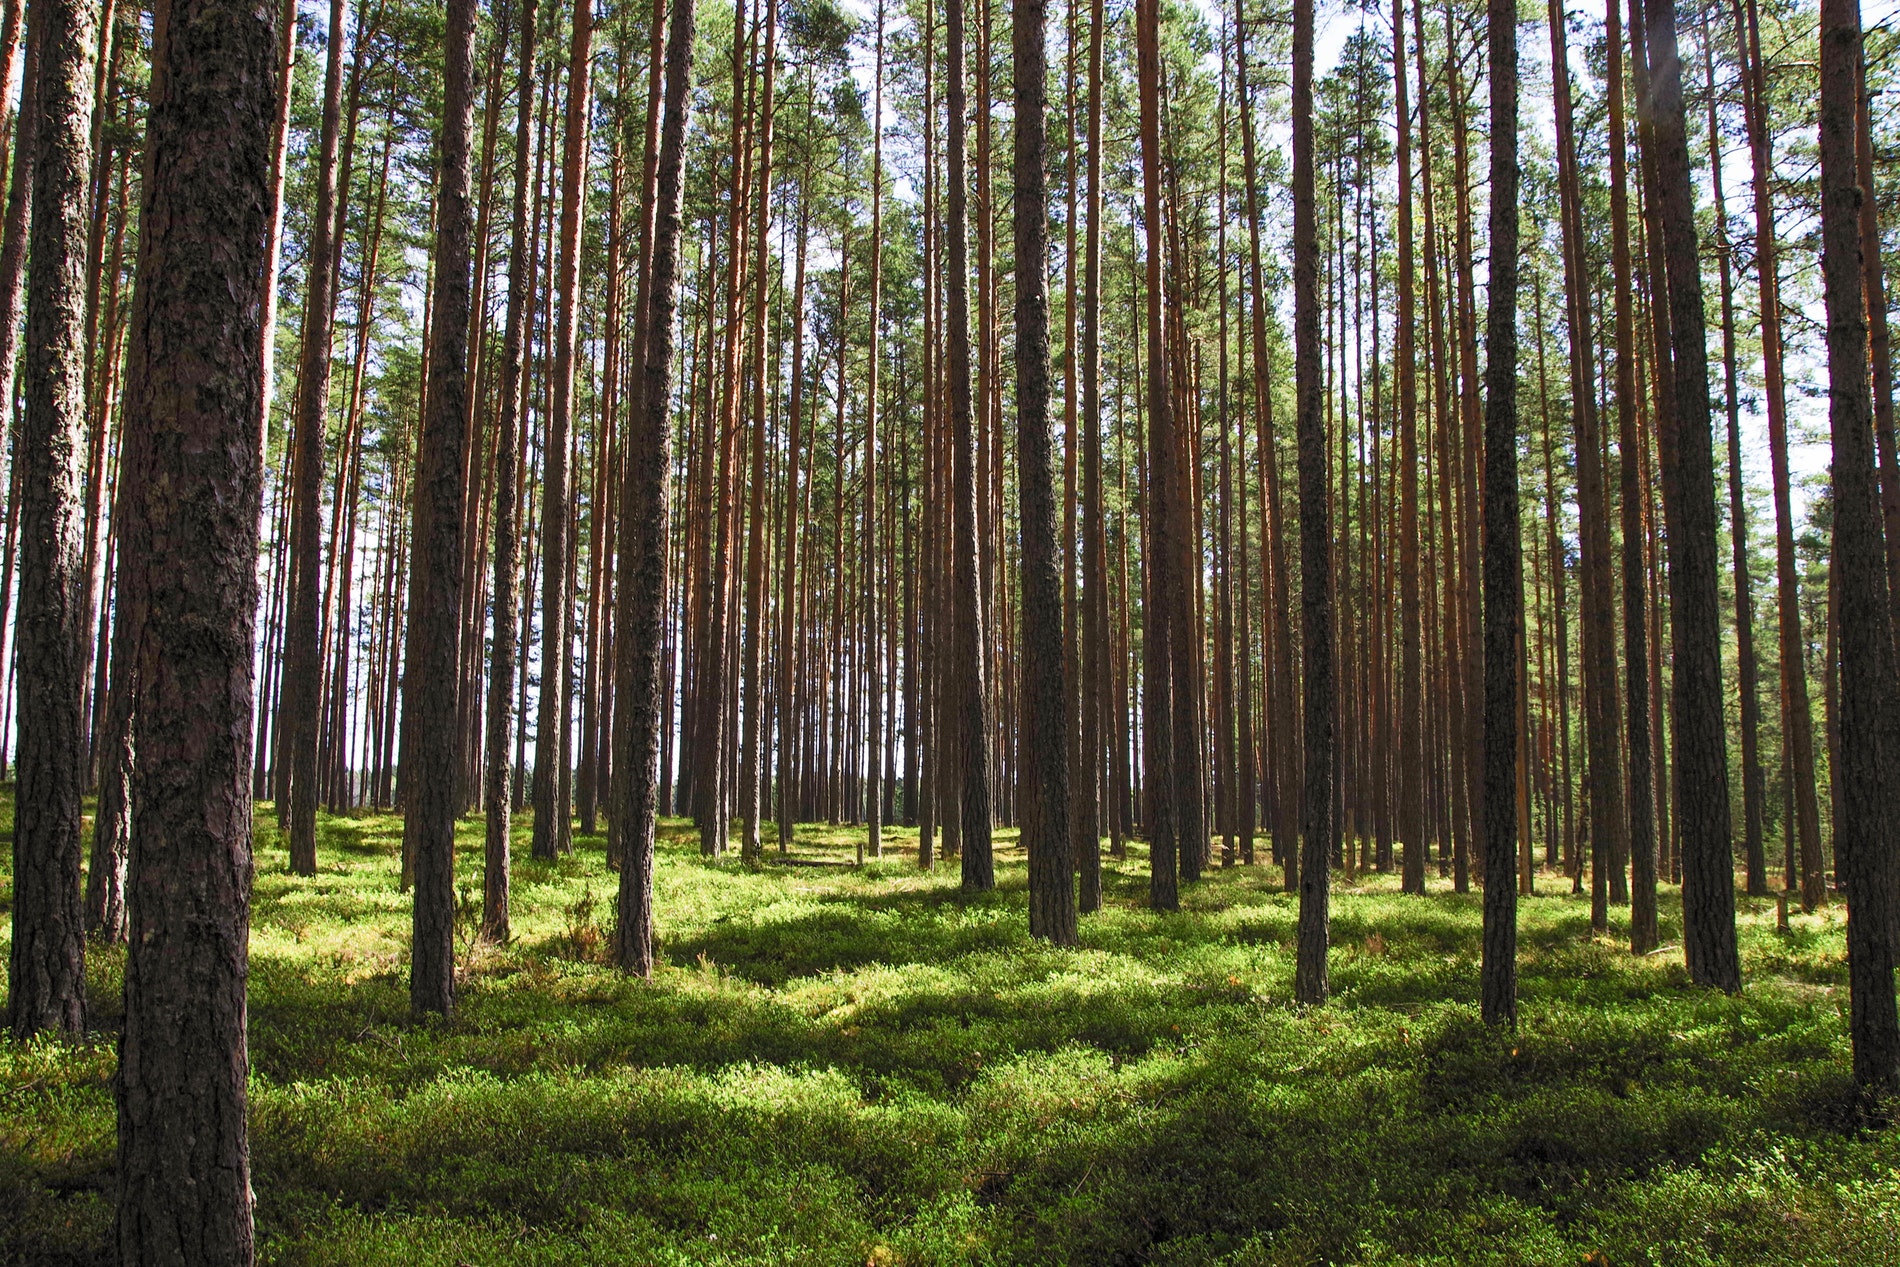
<point x="839" y="1065"/>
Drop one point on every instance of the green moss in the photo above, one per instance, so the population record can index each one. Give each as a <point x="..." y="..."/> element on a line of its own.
<point x="844" y="1065"/>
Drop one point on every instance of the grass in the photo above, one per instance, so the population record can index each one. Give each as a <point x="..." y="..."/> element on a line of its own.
<point x="839" y="1066"/>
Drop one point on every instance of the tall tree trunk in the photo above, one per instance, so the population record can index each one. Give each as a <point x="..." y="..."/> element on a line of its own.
<point x="498" y="777"/>
<point x="46" y="967"/>
<point x="302" y="653"/>
<point x="1503" y="558"/>
<point x="641" y="596"/>
<point x="1043" y="719"/>
<point x="1316" y="563"/>
<point x="1797" y="717"/>
<point x="553" y="829"/>
<point x="194" y="465"/>
<point x="756" y="625"/>
<point x="1708" y="868"/>
<point x="1754" y="789"/>
<point x="1411" y="754"/>
<point x="969" y="661"/>
<point x="1094" y="644"/>
<point x="431" y="741"/>
<point x="1159" y="701"/>
<point x="1866" y="836"/>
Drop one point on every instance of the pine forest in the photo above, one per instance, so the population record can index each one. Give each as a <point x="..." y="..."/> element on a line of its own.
<point x="950" y="632"/>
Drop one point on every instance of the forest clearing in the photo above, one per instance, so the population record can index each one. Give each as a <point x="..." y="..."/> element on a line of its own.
<point x="835" y="1064"/>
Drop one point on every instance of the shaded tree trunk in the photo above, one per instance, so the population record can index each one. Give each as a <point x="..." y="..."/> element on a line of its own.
<point x="194" y="468"/>
<point x="1503" y="560"/>
<point x="640" y="621"/>
<point x="1866" y="836"/>
<point x="431" y="741"/>
<point x="1043" y="718"/>
<point x="498" y="775"/>
<point x="46" y="966"/>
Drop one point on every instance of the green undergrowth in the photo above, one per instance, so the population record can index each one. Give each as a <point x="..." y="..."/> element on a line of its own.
<point x="844" y="1065"/>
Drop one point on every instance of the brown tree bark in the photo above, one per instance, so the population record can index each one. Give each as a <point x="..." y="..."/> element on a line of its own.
<point x="1866" y="835"/>
<point x="1159" y="703"/>
<point x="194" y="465"/>
<point x="640" y="621"/>
<point x="553" y="828"/>
<point x="1503" y="551"/>
<point x="431" y="741"/>
<point x="1754" y="787"/>
<point x="1701" y="745"/>
<point x="46" y="967"/>
<point x="302" y="652"/>
<point x="969" y="658"/>
<point x="1043" y="720"/>
<point x="1797" y="717"/>
<point x="1095" y="698"/>
<point x="499" y="774"/>
<point x="1316" y="566"/>
<point x="1411" y="754"/>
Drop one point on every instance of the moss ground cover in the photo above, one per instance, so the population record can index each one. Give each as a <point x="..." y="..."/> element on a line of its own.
<point x="840" y="1065"/>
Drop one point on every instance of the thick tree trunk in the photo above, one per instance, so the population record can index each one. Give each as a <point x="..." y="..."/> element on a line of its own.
<point x="46" y="968"/>
<point x="1866" y="835"/>
<point x="1043" y="719"/>
<point x="194" y="468"/>
<point x="638" y="714"/>
<point x="431" y="741"/>
<point x="1708" y="868"/>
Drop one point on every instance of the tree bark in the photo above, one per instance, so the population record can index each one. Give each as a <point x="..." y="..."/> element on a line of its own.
<point x="1316" y="563"/>
<point x="969" y="660"/>
<point x="46" y="968"/>
<point x="640" y="621"/>
<point x="1043" y="719"/>
<point x="431" y="756"/>
<point x="1503" y="559"/>
<point x="194" y="469"/>
<point x="498" y="777"/>
<point x="1866" y="836"/>
<point x="553" y="829"/>
<point x="302" y="654"/>
<point x="1708" y="869"/>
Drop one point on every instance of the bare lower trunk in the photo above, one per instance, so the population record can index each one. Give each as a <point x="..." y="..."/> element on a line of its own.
<point x="194" y="471"/>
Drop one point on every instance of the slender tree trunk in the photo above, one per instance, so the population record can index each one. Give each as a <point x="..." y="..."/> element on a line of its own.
<point x="431" y="756"/>
<point x="969" y="663"/>
<point x="46" y="967"/>
<point x="498" y="777"/>
<point x="1159" y="702"/>
<point x="1094" y="644"/>
<point x="1503" y="557"/>
<point x="1316" y="564"/>
<point x="302" y="651"/>
<point x="553" y="832"/>
<point x="1411" y="754"/>
<point x="1866" y="836"/>
<point x="194" y="465"/>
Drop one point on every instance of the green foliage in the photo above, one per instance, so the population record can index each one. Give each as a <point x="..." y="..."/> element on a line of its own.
<point x="844" y="1065"/>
